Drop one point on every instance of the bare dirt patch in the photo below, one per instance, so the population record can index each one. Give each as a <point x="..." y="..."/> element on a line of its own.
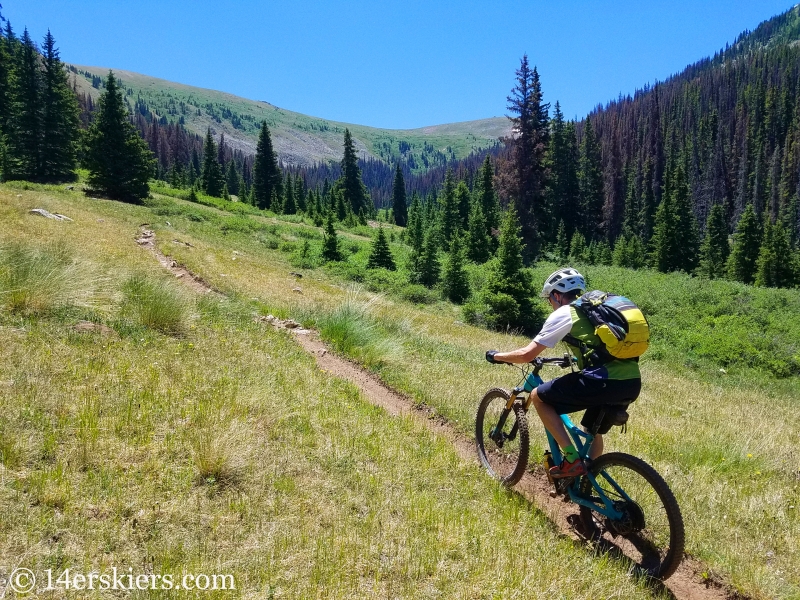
<point x="687" y="583"/>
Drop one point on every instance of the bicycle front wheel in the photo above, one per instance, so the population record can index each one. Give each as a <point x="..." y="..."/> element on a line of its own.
<point x="502" y="446"/>
<point x="650" y="531"/>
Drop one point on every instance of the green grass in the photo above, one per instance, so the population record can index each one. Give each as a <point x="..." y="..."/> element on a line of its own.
<point x="725" y="442"/>
<point x="154" y="304"/>
<point x="35" y="280"/>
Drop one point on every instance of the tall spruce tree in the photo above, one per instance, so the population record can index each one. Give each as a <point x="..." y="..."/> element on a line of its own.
<point x="212" y="180"/>
<point x="688" y="237"/>
<point x="478" y="244"/>
<point x="463" y="203"/>
<point x="775" y="266"/>
<point x="118" y="159"/>
<point x="487" y="197"/>
<point x="59" y="119"/>
<point x="24" y="135"/>
<point x="455" y="283"/>
<point x="289" y="205"/>
<point x="665" y="236"/>
<point x="715" y="250"/>
<point x="5" y="99"/>
<point x="429" y="263"/>
<point x="523" y="175"/>
<point x="746" y="247"/>
<point x="448" y="213"/>
<point x="399" y="208"/>
<point x="562" y="185"/>
<point x="590" y="184"/>
<point x="267" y="180"/>
<point x="300" y="193"/>
<point x="353" y="190"/>
<point x="232" y="178"/>
<point x="380" y="256"/>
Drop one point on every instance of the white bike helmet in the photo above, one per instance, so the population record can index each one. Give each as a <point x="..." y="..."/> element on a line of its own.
<point x="563" y="280"/>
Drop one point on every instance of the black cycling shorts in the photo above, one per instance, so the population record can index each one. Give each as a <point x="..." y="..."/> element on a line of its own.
<point x="574" y="392"/>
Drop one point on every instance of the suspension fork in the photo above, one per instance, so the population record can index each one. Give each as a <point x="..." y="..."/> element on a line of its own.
<point x="497" y="432"/>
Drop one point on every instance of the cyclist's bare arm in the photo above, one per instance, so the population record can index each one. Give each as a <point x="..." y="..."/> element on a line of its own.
<point x="521" y="355"/>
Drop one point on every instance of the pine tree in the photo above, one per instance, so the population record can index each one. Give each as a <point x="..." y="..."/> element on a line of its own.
<point x="508" y="291"/>
<point x="590" y="184"/>
<point x="429" y="263"/>
<point x="119" y="160"/>
<point x="232" y="178"/>
<point x="5" y="100"/>
<point x="665" y="236"/>
<point x="212" y="180"/>
<point x="746" y="247"/>
<point x="399" y="207"/>
<point x="524" y="173"/>
<point x="562" y="242"/>
<point x="603" y="254"/>
<point x="267" y="180"/>
<point x="577" y="248"/>
<point x="380" y="256"/>
<point x="59" y="119"/>
<point x="688" y="237"/>
<point x="775" y="265"/>
<point x="289" y="206"/>
<point x="330" y="242"/>
<point x="455" y="283"/>
<point x="487" y="197"/>
<point x="463" y="205"/>
<point x="24" y="136"/>
<point x="715" y="249"/>
<point x="562" y="186"/>
<point x="299" y="193"/>
<point x="350" y="184"/>
<point x="478" y="243"/>
<point x="449" y="217"/>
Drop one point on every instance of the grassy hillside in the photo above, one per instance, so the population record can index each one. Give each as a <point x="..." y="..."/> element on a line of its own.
<point x="218" y="445"/>
<point x="215" y="445"/>
<point x="299" y="139"/>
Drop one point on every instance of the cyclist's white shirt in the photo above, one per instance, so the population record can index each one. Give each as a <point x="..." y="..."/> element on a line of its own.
<point x="556" y="327"/>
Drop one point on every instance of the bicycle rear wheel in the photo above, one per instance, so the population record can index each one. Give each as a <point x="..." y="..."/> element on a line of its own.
<point x="650" y="532"/>
<point x="503" y="451"/>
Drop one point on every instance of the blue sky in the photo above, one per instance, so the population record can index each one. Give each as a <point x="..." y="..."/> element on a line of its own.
<point x="394" y="64"/>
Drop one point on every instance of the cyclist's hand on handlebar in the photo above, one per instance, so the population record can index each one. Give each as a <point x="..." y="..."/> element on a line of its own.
<point x="490" y="357"/>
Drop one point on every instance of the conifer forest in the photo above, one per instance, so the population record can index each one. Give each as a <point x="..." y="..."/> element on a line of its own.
<point x="698" y="173"/>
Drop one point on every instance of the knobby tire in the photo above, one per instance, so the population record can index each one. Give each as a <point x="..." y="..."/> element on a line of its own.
<point x="651" y="533"/>
<point x="506" y="464"/>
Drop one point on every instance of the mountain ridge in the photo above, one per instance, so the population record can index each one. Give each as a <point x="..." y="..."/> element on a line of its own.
<point x="300" y="140"/>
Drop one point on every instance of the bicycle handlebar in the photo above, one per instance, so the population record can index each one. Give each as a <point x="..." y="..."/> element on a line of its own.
<point x="564" y="361"/>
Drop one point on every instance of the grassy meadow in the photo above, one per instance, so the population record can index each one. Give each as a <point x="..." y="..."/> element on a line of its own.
<point x="187" y="437"/>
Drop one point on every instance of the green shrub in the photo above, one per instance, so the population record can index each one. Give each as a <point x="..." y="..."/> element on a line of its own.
<point x="418" y="294"/>
<point x="156" y="305"/>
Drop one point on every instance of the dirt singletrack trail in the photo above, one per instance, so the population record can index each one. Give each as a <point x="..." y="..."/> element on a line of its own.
<point x="686" y="583"/>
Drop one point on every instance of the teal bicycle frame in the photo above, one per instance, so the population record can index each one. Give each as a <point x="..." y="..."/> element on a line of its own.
<point x="582" y="441"/>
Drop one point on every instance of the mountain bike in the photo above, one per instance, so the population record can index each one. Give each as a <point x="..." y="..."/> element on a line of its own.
<point x="623" y="502"/>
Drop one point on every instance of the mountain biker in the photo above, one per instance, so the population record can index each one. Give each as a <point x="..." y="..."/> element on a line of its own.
<point x="600" y="383"/>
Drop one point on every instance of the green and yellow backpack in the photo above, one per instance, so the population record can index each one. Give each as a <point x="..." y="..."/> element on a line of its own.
<point x="618" y="322"/>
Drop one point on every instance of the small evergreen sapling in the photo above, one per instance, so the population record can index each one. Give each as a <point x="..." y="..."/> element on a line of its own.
<point x="330" y="243"/>
<point x="381" y="255"/>
<point x="455" y="282"/>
